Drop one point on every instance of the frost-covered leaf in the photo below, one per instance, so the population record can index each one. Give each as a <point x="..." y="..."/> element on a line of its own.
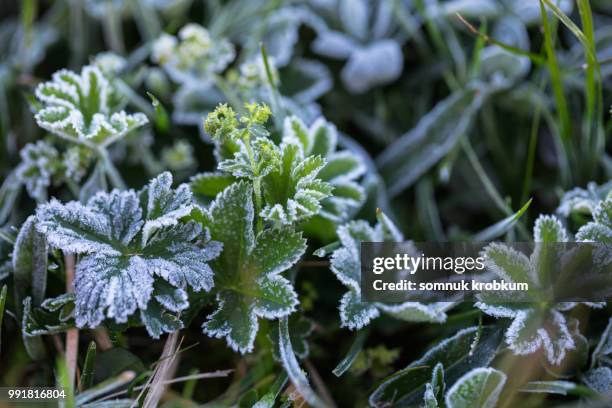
<point x="529" y="12"/>
<point x="373" y="53"/>
<point x="265" y="158"/>
<point x="76" y="106"/>
<point x="39" y="163"/>
<point x="292" y="191"/>
<point x="192" y="56"/>
<point x="549" y="387"/>
<point x="379" y="63"/>
<point x="30" y="262"/>
<point x="342" y="168"/>
<point x="334" y="44"/>
<point x="480" y="387"/>
<point x="600" y="229"/>
<point x="599" y="379"/>
<point x="435" y="135"/>
<point x="345" y="264"/>
<point x="164" y="206"/>
<point x="206" y="186"/>
<point x="37" y="321"/>
<point x="584" y="200"/>
<point x="603" y="351"/>
<point x="300" y="328"/>
<point x="457" y="355"/>
<point x="434" y="390"/>
<point x="136" y="255"/>
<point x="248" y="277"/>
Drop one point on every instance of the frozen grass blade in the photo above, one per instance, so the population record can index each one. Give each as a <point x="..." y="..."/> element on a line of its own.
<point x="352" y="354"/>
<point x="296" y="374"/>
<point x="555" y="76"/>
<point x="500" y="228"/>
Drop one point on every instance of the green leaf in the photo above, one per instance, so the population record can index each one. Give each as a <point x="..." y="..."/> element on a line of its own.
<point x="345" y="264"/>
<point x="436" y="134"/>
<point x="342" y="168"/>
<point x="352" y="354"/>
<point x="549" y="387"/>
<point x="248" y="271"/>
<point x="207" y="185"/>
<point x="128" y="242"/>
<point x="292" y="367"/>
<point x="300" y="328"/>
<point x="456" y="354"/>
<point x="293" y="192"/>
<point x="478" y="388"/>
<point x="500" y="228"/>
<point x="30" y="263"/>
<point x="40" y="162"/>
<point x="88" y="366"/>
<point x="76" y="107"/>
<point x="600" y="229"/>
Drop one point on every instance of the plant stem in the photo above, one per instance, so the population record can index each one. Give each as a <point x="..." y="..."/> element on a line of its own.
<point x="72" y="335"/>
<point x="110" y="169"/>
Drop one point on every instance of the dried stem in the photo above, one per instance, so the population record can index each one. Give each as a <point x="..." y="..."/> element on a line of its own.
<point x="72" y="335"/>
<point x="157" y="383"/>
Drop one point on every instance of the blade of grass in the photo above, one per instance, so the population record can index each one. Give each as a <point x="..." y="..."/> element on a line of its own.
<point x="292" y="367"/>
<point x="535" y="58"/>
<point x="276" y="99"/>
<point x="487" y="183"/>
<point x="352" y="354"/>
<point x="500" y="228"/>
<point x="88" y="366"/>
<point x="593" y="125"/>
<point x="555" y="75"/>
<point x="566" y="21"/>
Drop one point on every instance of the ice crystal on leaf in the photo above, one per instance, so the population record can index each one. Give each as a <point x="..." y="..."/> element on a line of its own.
<point x="341" y="169"/>
<point x="248" y="281"/>
<point x="77" y="106"/>
<point x="345" y="264"/>
<point x="136" y="254"/>
<point x="535" y="326"/>
<point x="39" y="162"/>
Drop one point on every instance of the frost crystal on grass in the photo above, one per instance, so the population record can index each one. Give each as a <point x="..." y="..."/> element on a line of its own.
<point x="247" y="279"/>
<point x="345" y="264"/>
<point x="129" y="241"/>
<point x="77" y="106"/>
